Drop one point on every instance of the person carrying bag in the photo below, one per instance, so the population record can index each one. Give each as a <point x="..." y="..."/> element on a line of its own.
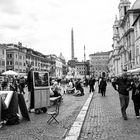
<point x="136" y="96"/>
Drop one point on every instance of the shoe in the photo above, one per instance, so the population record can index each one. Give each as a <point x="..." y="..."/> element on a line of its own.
<point x="138" y="117"/>
<point x="125" y="118"/>
<point x="31" y="110"/>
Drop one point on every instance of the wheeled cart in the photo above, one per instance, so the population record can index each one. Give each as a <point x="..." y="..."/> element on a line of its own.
<point x="41" y="91"/>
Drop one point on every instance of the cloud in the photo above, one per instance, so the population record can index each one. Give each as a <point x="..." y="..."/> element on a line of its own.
<point x="45" y="25"/>
<point x="55" y="4"/>
<point x="7" y="21"/>
<point x="10" y="26"/>
<point x="9" y="6"/>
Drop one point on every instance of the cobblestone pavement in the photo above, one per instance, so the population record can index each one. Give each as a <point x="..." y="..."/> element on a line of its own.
<point x="104" y="121"/>
<point x="38" y="129"/>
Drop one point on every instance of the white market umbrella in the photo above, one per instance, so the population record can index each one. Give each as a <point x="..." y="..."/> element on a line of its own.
<point x="9" y="72"/>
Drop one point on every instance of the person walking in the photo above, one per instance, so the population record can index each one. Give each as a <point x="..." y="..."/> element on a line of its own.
<point x="99" y="89"/>
<point x="103" y="84"/>
<point x="91" y="84"/>
<point x="30" y="88"/>
<point x="22" y="85"/>
<point x="136" y="96"/>
<point x="123" y="86"/>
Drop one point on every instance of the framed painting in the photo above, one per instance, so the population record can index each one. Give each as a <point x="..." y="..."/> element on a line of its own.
<point x="6" y="96"/>
<point x="40" y="79"/>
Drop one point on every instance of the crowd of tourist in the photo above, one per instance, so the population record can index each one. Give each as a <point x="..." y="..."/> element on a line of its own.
<point x="14" y="83"/>
<point x="58" y="87"/>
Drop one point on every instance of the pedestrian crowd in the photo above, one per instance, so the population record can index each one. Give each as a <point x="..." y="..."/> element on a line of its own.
<point x="14" y="83"/>
<point x="122" y="84"/>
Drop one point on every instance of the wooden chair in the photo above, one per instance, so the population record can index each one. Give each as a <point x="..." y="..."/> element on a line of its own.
<point x="54" y="113"/>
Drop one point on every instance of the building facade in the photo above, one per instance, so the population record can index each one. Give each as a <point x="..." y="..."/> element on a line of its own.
<point x="82" y="68"/>
<point x="19" y="59"/>
<point x="57" y="65"/>
<point x="2" y="58"/>
<point x="136" y="26"/>
<point x="15" y="59"/>
<point x="58" y="70"/>
<point x="125" y="51"/>
<point x="64" y="66"/>
<point x="99" y="63"/>
<point x="72" y="63"/>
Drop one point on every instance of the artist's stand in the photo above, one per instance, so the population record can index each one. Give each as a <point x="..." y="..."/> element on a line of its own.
<point x="42" y="99"/>
<point x="16" y="101"/>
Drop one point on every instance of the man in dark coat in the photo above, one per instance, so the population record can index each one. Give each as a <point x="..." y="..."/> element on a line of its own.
<point x="22" y="85"/>
<point x="123" y="87"/>
<point x="136" y="96"/>
<point x="30" y="87"/>
<point x="103" y="85"/>
<point x="91" y="84"/>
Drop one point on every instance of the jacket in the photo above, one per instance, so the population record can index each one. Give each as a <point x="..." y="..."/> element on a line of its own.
<point x="30" y="81"/>
<point x="124" y="86"/>
<point x="135" y="95"/>
<point x="103" y="84"/>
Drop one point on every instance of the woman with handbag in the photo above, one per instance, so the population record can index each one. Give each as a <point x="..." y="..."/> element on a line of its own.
<point x="136" y="96"/>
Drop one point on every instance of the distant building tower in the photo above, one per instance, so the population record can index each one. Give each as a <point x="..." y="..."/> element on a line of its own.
<point x="123" y="8"/>
<point x="73" y="60"/>
<point x="72" y="45"/>
<point x="84" y="54"/>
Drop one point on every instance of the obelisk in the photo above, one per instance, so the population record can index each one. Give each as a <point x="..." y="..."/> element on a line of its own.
<point x="72" y="45"/>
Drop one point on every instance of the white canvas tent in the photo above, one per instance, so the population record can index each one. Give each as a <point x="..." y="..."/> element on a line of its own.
<point x="134" y="71"/>
<point x="10" y="72"/>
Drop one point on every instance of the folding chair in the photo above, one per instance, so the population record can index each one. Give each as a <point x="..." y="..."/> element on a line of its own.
<point x="54" y="113"/>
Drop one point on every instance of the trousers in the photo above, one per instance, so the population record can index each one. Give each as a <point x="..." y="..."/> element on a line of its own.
<point x="124" y="101"/>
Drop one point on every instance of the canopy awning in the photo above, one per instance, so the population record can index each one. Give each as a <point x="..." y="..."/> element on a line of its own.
<point x="137" y="70"/>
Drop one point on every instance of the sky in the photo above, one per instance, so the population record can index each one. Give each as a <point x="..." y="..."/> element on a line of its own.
<point x="45" y="25"/>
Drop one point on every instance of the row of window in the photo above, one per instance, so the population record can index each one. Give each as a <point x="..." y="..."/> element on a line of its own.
<point x="2" y="63"/>
<point x="9" y="55"/>
<point x="137" y="29"/>
<point x="2" y="52"/>
<point x="98" y="62"/>
<point x="99" y="58"/>
<point x="16" y="63"/>
<point x="82" y="72"/>
<point x="99" y="68"/>
<point x="20" y="70"/>
<point x="81" y="68"/>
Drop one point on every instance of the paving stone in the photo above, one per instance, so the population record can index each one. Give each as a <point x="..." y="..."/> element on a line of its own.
<point x="104" y="122"/>
<point x="38" y="129"/>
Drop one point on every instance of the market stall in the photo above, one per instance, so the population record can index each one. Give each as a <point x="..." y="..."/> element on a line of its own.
<point x="135" y="71"/>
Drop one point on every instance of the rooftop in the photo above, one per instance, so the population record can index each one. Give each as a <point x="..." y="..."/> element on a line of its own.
<point x="100" y="53"/>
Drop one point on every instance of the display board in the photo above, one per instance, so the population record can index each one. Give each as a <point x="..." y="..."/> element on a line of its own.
<point x="13" y="100"/>
<point x="41" y="89"/>
<point x="40" y="79"/>
<point x="6" y="96"/>
<point x="23" y="107"/>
